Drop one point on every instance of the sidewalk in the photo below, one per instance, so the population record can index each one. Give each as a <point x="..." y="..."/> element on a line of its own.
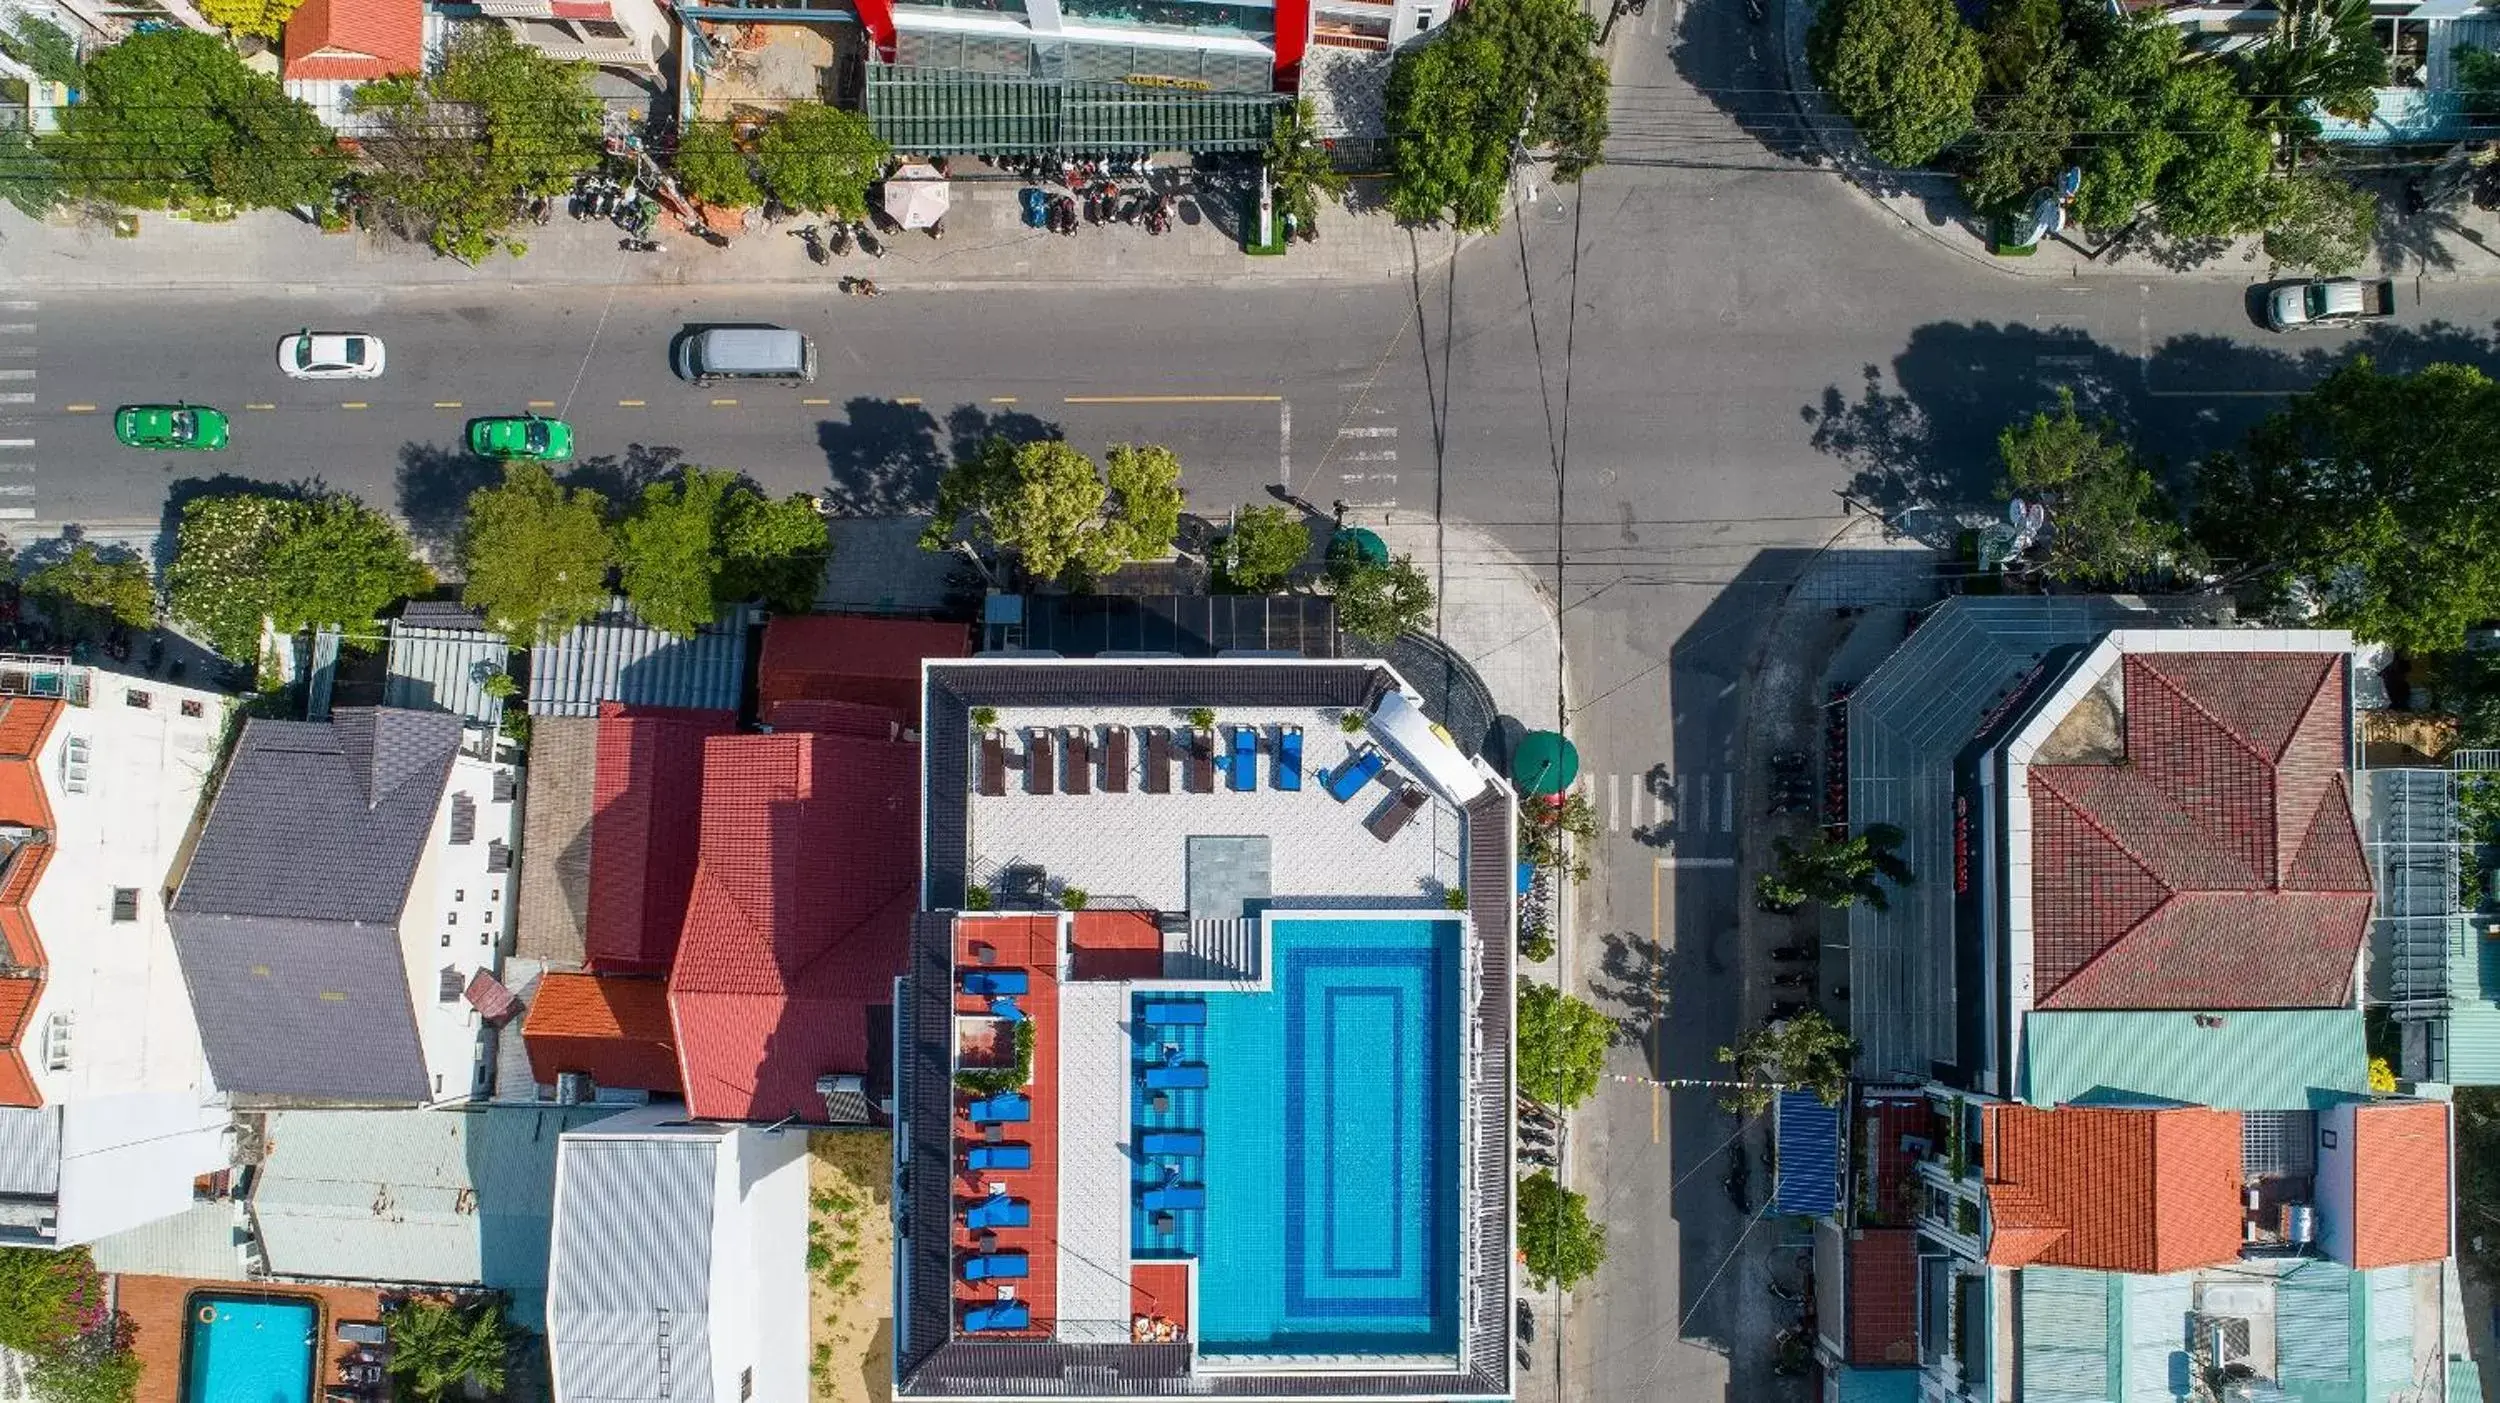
<point x="986" y="244"/>
<point x="2454" y="243"/>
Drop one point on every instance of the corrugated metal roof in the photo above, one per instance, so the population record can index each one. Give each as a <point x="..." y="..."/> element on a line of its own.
<point x="2151" y="1356"/>
<point x="946" y="110"/>
<point x="1809" y="1150"/>
<point x="632" y="1248"/>
<point x="2264" y="1060"/>
<point x="30" y="1150"/>
<point x="618" y="657"/>
<point x="434" y="667"/>
<point x="2065" y="1334"/>
<point x="2389" y="1366"/>
<point x="203" y="1241"/>
<point x="451" y="1197"/>
<point x="2313" y="1323"/>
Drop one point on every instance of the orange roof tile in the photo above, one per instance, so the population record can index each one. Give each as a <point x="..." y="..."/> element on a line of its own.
<point x="614" y="1028"/>
<point x="354" y="39"/>
<point x="2400" y="1183"/>
<point x="2115" y="1188"/>
<point x="17" y="1009"/>
<point x="17" y="929"/>
<point x="24" y="723"/>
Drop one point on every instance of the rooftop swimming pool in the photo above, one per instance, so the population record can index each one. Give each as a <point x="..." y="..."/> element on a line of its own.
<point x="1331" y="1156"/>
<point x="248" y="1349"/>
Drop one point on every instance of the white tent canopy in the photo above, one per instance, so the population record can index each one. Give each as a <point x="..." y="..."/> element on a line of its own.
<point x="1400" y="725"/>
<point x="916" y="196"/>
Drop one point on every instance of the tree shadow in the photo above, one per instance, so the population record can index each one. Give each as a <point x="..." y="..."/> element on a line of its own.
<point x="882" y="458"/>
<point x="185" y="491"/>
<point x="621" y="478"/>
<point x="968" y="425"/>
<point x="435" y="484"/>
<point x="1631" y="983"/>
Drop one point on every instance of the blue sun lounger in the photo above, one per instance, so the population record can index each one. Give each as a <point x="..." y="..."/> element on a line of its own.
<point x="1241" y="772"/>
<point x="1348" y="779"/>
<point x="1000" y="1157"/>
<point x="997" y="1266"/>
<point x="1289" y="758"/>
<point x="1178" y="1014"/>
<point x="1157" y="1200"/>
<point x="1006" y="1315"/>
<point x="1180" y="1078"/>
<point x="1172" y="1142"/>
<point x="1004" y="1006"/>
<point x="999" y="1211"/>
<point x="1009" y="1107"/>
<point x="988" y="983"/>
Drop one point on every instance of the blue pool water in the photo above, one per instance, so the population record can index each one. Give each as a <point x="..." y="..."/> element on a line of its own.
<point x="250" y="1349"/>
<point x="1331" y="1164"/>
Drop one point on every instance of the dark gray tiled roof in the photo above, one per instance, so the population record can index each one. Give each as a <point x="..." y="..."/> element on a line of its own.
<point x="287" y="920"/>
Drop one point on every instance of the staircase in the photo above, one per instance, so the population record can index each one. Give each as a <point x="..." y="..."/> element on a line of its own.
<point x="1213" y="950"/>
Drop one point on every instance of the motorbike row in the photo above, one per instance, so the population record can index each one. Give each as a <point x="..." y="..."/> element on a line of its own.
<point x="1100" y="202"/>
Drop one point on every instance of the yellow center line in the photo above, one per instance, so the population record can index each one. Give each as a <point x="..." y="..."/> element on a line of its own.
<point x="542" y="404"/>
<point x="908" y="399"/>
<point x="1172" y="399"/>
<point x="78" y="409"/>
<point x="353" y="404"/>
<point x="724" y="404"/>
<point x="260" y="406"/>
<point x="815" y="401"/>
<point x="446" y="404"/>
<point x="629" y="404"/>
<point x="1002" y="399"/>
<point x="1656" y="1015"/>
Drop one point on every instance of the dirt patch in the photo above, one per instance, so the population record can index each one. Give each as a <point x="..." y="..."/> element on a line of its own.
<point x="2394" y="738"/>
<point x="850" y="1265"/>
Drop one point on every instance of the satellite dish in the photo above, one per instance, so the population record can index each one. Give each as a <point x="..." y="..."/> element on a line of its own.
<point x="2017" y="512"/>
<point x="2035" y="519"/>
<point x="2070" y="184"/>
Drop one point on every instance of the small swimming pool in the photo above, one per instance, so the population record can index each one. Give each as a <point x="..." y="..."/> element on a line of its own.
<point x="1331" y="1161"/>
<point x="248" y="1349"/>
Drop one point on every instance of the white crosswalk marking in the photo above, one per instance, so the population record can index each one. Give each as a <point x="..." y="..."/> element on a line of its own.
<point x="1614" y="803"/>
<point x="1369" y="431"/>
<point x="17" y="458"/>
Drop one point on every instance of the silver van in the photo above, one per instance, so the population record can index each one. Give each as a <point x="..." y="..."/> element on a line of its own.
<point x="746" y="353"/>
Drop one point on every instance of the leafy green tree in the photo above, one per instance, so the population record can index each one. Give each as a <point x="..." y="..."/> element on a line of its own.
<point x="1048" y="505"/>
<point x="1561" y="1243"/>
<point x="1835" y="871"/>
<point x="1907" y="72"/>
<point x="1262" y="549"/>
<point x="95" y="1366"/>
<point x="2108" y="521"/>
<point x="2321" y="224"/>
<point x="1562" y="1045"/>
<point x="669" y="551"/>
<point x="712" y="168"/>
<point x="2478" y="82"/>
<point x="2322" y="53"/>
<point x="535" y="554"/>
<point x="1501" y="75"/>
<point x="324" y="562"/>
<point x="2019" y="142"/>
<point x="259" y="17"/>
<point x="438" y="1347"/>
<point x="1380" y="601"/>
<point x="2370" y="495"/>
<point x="43" y="1297"/>
<point x="172" y="117"/>
<point x="1300" y="168"/>
<point x="816" y="157"/>
<point x="2218" y="184"/>
<point x="774" y="551"/>
<point x="1806" y="1051"/>
<point x="452" y="155"/>
<point x="42" y="46"/>
<point x="29" y="178"/>
<point x="91" y="589"/>
<point x="1554" y="833"/>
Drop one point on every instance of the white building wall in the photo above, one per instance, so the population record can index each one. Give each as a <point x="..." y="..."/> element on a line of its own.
<point x="2334" y="1184"/>
<point x="113" y="1040"/>
<point x="759" y="1265"/>
<point x="459" y="916"/>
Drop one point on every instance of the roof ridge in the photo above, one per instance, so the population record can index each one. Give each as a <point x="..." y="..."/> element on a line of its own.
<point x="2092" y="820"/>
<point x="2195" y="703"/>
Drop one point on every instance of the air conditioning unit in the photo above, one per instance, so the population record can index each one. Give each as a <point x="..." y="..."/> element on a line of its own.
<point x="575" y="1089"/>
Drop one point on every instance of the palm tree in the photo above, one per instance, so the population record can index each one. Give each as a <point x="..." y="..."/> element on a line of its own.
<point x="435" y="1345"/>
<point x="2322" y="53"/>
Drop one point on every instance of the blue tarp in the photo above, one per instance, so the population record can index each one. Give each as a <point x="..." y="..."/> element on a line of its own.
<point x="1808" y="1134"/>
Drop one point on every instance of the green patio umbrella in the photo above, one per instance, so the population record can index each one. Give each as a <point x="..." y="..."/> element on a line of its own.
<point x="1544" y="763"/>
<point x="1354" y="542"/>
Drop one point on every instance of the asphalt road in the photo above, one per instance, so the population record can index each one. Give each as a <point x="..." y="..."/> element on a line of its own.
<point x="1693" y="355"/>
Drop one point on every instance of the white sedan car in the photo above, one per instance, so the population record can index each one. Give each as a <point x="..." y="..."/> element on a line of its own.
<point x="330" y="355"/>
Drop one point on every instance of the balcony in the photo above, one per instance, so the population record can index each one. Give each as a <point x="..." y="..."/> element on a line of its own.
<point x="1339" y="33"/>
<point x="1254" y="19"/>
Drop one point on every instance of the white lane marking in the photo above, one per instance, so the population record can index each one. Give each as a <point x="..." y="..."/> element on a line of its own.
<point x="20" y="305"/>
<point x="16" y="443"/>
<point x="24" y="398"/>
<point x="17" y="513"/>
<point x="1386" y="455"/>
<point x="1614" y="803"/>
<point x="1727" y="803"/>
<point x="22" y="489"/>
<point x="18" y="352"/>
<point x="1696" y="862"/>
<point x="17" y="328"/>
<point x="17" y="375"/>
<point x="1370" y="431"/>
<point x="1284" y="443"/>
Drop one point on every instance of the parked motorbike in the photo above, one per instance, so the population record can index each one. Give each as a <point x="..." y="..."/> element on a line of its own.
<point x="869" y="243"/>
<point x="814" y="239"/>
<point x="861" y="287"/>
<point x="1787" y="954"/>
<point x="1793" y="1297"/>
<point x="1739" y="1180"/>
<point x="1784" y="1008"/>
<point x="630" y="244"/>
<point x="839" y="240"/>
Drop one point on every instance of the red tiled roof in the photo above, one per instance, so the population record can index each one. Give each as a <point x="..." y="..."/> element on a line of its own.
<point x="1160" y="1290"/>
<point x="803" y="894"/>
<point x="2114" y="1188"/>
<point x="354" y="39"/>
<point x="2400" y="1183"/>
<point x="1116" y="945"/>
<point x="645" y="814"/>
<point x="836" y="718"/>
<point x="1883" y="1296"/>
<point x="615" y="1028"/>
<point x="2219" y="866"/>
<point x="845" y="657"/>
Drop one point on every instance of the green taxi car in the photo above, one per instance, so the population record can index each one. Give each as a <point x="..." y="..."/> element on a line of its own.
<point x="185" y="428"/>
<point x="524" y="436"/>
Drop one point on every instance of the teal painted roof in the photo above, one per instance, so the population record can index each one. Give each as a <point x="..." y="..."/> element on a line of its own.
<point x="2340" y="1336"/>
<point x="1859" y="1385"/>
<point x="936" y="111"/>
<point x="2265" y="1060"/>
